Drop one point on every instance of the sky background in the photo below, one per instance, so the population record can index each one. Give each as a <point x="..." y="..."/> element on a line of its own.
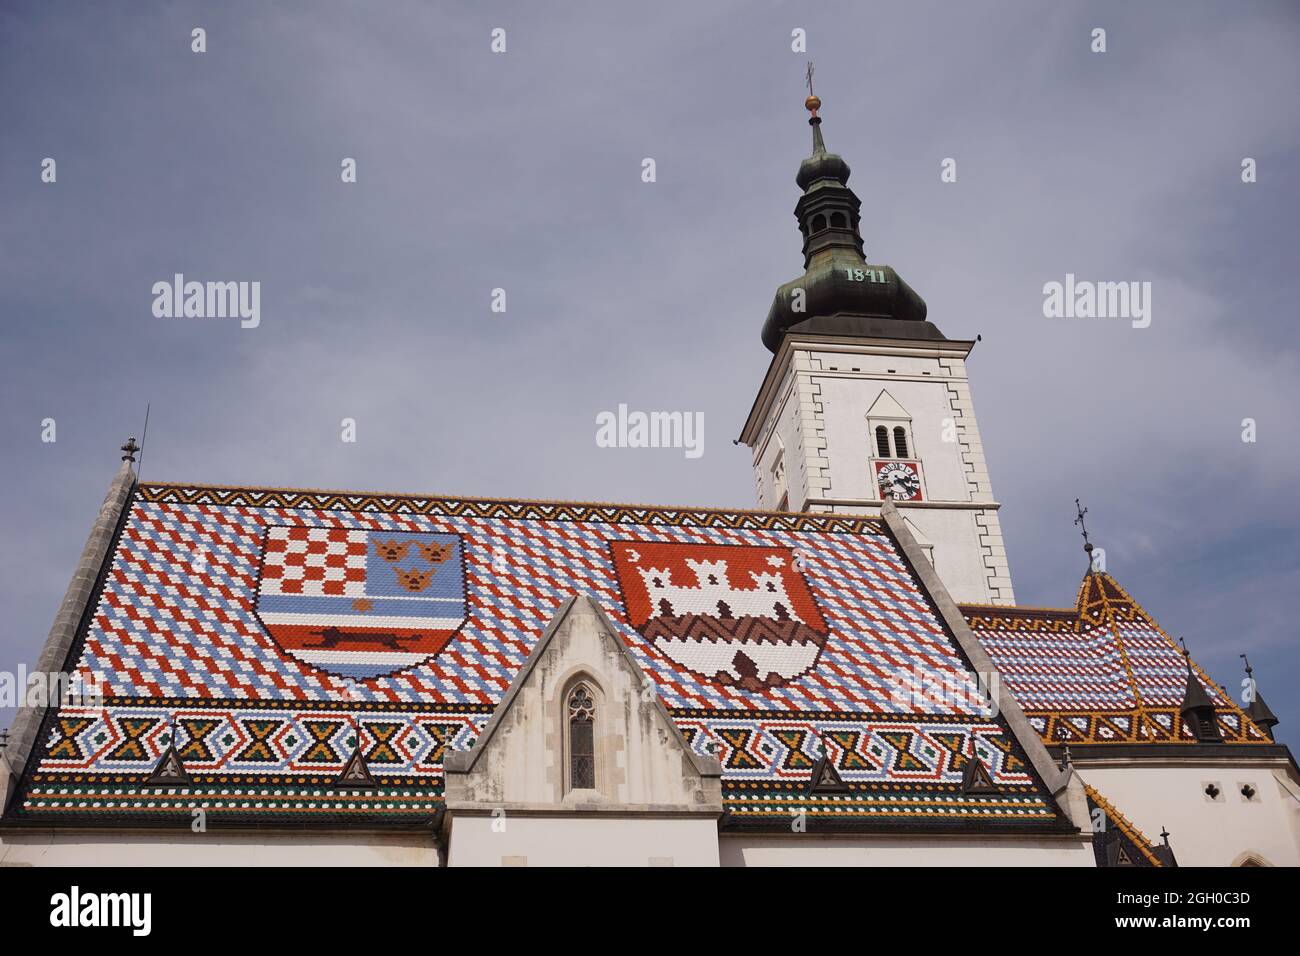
<point x="523" y="171"/>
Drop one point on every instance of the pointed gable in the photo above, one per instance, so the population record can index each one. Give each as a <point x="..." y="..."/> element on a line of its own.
<point x="886" y="406"/>
<point x="639" y="759"/>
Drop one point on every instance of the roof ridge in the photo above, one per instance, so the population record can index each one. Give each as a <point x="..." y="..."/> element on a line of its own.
<point x="156" y="486"/>
<point x="1014" y="608"/>
<point x="1106" y="619"/>
<point x="1205" y="678"/>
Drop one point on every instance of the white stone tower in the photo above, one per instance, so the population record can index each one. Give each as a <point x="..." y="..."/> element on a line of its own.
<point x="865" y="397"/>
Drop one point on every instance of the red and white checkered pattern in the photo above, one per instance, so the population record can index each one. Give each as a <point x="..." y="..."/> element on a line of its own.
<point x="317" y="562"/>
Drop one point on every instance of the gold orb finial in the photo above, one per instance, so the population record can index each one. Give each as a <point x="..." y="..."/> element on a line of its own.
<point x="812" y="104"/>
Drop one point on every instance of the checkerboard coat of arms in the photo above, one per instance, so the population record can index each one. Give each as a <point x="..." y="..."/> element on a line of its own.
<point x="361" y="603"/>
<point x="736" y="615"/>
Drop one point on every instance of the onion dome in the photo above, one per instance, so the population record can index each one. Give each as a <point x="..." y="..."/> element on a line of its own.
<point x="840" y="293"/>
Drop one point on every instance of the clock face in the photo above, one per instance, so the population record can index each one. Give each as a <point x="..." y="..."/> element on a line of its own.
<point x="899" y="480"/>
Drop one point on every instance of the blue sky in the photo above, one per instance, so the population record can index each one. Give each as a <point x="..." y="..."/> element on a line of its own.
<point x="522" y="171"/>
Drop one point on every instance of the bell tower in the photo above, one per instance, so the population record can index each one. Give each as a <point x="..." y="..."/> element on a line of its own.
<point x="865" y="397"/>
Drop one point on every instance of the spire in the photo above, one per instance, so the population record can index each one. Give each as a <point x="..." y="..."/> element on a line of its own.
<point x="824" y="166"/>
<point x="812" y="105"/>
<point x="1087" y="545"/>
<point x="1258" y="711"/>
<point x="1197" y="709"/>
<point x="1164" y="852"/>
<point x="839" y="292"/>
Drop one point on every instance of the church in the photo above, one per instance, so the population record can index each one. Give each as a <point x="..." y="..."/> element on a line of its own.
<point x="841" y="677"/>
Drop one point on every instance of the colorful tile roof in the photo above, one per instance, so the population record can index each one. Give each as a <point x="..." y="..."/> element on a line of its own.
<point x="1117" y="842"/>
<point x="1101" y="673"/>
<point x="265" y="630"/>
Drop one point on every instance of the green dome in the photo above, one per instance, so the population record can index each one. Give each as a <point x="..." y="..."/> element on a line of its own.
<point x="840" y="293"/>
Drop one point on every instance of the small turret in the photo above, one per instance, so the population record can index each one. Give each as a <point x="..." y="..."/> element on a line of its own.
<point x="1197" y="709"/>
<point x="1258" y="711"/>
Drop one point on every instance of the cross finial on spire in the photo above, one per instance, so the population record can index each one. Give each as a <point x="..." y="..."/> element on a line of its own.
<point x="1067" y="761"/>
<point x="1087" y="545"/>
<point x="129" y="449"/>
<point x="812" y="104"/>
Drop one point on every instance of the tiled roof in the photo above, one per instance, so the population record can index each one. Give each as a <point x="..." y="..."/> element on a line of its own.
<point x="269" y="628"/>
<point x="1101" y="673"/>
<point x="1116" y="841"/>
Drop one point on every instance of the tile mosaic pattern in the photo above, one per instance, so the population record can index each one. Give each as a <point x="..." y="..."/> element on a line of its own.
<point x="1101" y="673"/>
<point x="1117" y="842"/>
<point x="815" y="634"/>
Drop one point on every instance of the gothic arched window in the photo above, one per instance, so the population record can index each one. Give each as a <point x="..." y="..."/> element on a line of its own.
<point x="582" y="739"/>
<point x="900" y="441"/>
<point x="882" y="441"/>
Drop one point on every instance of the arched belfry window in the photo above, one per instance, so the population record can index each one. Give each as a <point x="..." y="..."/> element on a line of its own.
<point x="582" y="738"/>
<point x="838" y="221"/>
<point x="882" y="441"/>
<point x="818" y="223"/>
<point x="890" y="428"/>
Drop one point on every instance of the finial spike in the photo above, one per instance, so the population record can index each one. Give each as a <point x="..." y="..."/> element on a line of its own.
<point x="1087" y="545"/>
<point x="812" y="104"/>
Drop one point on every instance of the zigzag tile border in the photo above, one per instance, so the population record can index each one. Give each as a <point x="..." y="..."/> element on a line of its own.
<point x="503" y="508"/>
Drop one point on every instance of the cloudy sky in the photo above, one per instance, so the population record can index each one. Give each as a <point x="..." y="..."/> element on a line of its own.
<point x="522" y="171"/>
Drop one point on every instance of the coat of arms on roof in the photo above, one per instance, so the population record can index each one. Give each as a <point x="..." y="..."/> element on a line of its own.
<point x="360" y="603"/>
<point x="739" y="616"/>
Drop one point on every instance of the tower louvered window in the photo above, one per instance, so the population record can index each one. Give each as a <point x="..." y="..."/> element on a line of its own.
<point x="882" y="441"/>
<point x="900" y="441"/>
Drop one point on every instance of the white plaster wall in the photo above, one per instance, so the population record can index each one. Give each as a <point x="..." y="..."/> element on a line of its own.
<point x="582" y="841"/>
<point x="1204" y="832"/>
<point x="812" y="850"/>
<point x="819" y="413"/>
<point x="958" y="559"/>
<point x="845" y="401"/>
<point x="126" y="848"/>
